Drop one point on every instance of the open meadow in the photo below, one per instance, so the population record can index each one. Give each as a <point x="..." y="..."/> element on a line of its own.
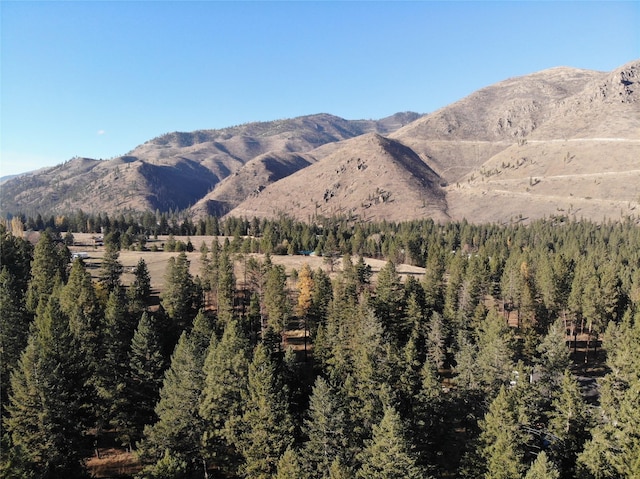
<point x="157" y="260"/>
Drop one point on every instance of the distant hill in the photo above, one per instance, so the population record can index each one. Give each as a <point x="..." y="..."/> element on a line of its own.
<point x="6" y="178"/>
<point x="368" y="177"/>
<point x="582" y="161"/>
<point x="562" y="141"/>
<point x="558" y="142"/>
<point x="176" y="170"/>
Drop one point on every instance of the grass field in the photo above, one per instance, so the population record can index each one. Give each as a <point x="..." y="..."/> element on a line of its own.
<point x="157" y="260"/>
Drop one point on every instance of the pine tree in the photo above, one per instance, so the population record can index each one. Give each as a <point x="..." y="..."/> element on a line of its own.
<point x="16" y="255"/>
<point x="542" y="468"/>
<point x="111" y="268"/>
<point x="47" y="409"/>
<point x="437" y="340"/>
<point x="320" y="299"/>
<point x="427" y="418"/>
<point x="373" y="371"/>
<point x="327" y="429"/>
<point x="501" y="439"/>
<point x="467" y="372"/>
<point x="80" y="303"/>
<point x="170" y="466"/>
<point x="113" y="370"/>
<point x="226" y="369"/>
<point x="600" y="301"/>
<point x="452" y="290"/>
<point x="267" y="425"/>
<point x="388" y="454"/>
<point x="180" y="298"/>
<point x="289" y="466"/>
<point x="614" y="450"/>
<point x="276" y="300"/>
<point x="49" y="262"/>
<point x="569" y="422"/>
<point x="409" y="366"/>
<point x="205" y="266"/>
<point x="212" y="266"/>
<point x="414" y="312"/>
<point x="139" y="292"/>
<point x="363" y="272"/>
<point x="340" y="471"/>
<point x="144" y="380"/>
<point x="512" y="283"/>
<point x="472" y="288"/>
<point x="201" y="336"/>
<point x="389" y="303"/>
<point x="433" y="285"/>
<point x="14" y="331"/>
<point x="554" y="355"/>
<point x="495" y="352"/>
<point x="225" y="288"/>
<point x="179" y="427"/>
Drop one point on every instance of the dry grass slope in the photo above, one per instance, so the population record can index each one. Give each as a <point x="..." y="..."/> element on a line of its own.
<point x="369" y="177"/>
<point x="562" y="141"/>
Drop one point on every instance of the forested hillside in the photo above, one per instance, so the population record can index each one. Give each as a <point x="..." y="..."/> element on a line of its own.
<point x="516" y="354"/>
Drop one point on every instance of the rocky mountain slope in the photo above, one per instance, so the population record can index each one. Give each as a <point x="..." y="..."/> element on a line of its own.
<point x="176" y="170"/>
<point x="583" y="161"/>
<point x="561" y="141"/>
<point x="369" y="177"/>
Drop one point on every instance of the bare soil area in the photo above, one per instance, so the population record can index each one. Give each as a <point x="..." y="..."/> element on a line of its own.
<point x="157" y="260"/>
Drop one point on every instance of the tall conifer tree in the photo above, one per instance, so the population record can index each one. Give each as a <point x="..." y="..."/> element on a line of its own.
<point x="180" y="298"/>
<point x="14" y="331"/>
<point x="221" y="406"/>
<point x="48" y="403"/>
<point x="49" y="262"/>
<point x="179" y="427"/>
<point x="501" y="440"/>
<point x="267" y="425"/>
<point x="327" y="427"/>
<point x="111" y="268"/>
<point x="144" y="380"/>
<point x="388" y="454"/>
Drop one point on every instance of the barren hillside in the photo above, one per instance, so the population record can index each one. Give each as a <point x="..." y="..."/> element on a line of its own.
<point x="583" y="161"/>
<point x="251" y="178"/>
<point x="460" y="137"/>
<point x="369" y="177"/>
<point x="176" y="170"/>
<point x="562" y="141"/>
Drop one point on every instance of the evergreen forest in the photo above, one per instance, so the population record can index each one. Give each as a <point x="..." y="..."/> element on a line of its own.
<point x="516" y="355"/>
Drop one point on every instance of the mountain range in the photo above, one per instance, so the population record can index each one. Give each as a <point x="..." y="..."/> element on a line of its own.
<point x="559" y="142"/>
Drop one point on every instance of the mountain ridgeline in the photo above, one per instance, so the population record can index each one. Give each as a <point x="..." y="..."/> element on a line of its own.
<point x="562" y="141"/>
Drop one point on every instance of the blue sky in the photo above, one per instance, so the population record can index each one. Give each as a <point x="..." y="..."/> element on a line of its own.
<point x="96" y="79"/>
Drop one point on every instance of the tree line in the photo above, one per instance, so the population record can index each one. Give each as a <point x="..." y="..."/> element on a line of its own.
<point x="466" y="371"/>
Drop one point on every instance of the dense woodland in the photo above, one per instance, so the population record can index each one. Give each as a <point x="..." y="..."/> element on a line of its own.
<point x="471" y="370"/>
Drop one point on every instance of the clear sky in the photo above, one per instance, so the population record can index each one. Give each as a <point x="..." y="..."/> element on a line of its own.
<point x="96" y="79"/>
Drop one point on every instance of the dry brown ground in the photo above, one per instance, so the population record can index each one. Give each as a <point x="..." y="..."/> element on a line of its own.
<point x="113" y="462"/>
<point x="157" y="260"/>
